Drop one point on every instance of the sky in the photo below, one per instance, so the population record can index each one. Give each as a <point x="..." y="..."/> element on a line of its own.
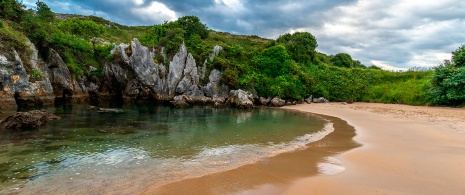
<point x="393" y="34"/>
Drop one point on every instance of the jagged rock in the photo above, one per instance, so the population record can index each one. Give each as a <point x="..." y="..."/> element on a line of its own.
<point x="121" y="48"/>
<point x="277" y="102"/>
<point x="180" y="101"/>
<point x="176" y="69"/>
<point x="92" y="69"/>
<point x="19" y="88"/>
<point x="203" y="69"/>
<point x="212" y="89"/>
<point x="309" y="100"/>
<point x="219" y="102"/>
<point x="142" y="64"/>
<point x="27" y="120"/>
<point x="320" y="100"/>
<point x="64" y="85"/>
<point x="264" y="101"/>
<point x="241" y="99"/>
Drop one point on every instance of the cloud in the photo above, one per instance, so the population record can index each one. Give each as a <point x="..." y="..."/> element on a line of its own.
<point x="154" y="13"/>
<point x="394" y="33"/>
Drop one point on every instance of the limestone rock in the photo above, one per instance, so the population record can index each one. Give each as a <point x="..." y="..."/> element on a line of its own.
<point x="277" y="102"/>
<point x="27" y="120"/>
<point x="213" y="88"/>
<point x="180" y="101"/>
<point x="309" y="100"/>
<point x="320" y="100"/>
<point x="17" y="86"/>
<point x="241" y="99"/>
<point x="264" y="101"/>
<point x="64" y="85"/>
<point x="216" y="51"/>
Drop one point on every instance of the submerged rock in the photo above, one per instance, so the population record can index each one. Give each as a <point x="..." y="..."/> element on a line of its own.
<point x="98" y="109"/>
<point x="27" y="120"/>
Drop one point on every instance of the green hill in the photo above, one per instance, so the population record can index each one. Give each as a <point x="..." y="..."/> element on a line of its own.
<point x="288" y="67"/>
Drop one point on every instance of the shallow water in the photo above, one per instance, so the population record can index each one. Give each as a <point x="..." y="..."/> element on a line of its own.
<point x="92" y="152"/>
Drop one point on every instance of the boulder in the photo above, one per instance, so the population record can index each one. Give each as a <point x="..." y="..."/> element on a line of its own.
<point x="264" y="101"/>
<point x="309" y="100"/>
<point x="27" y="120"/>
<point x="277" y="102"/>
<point x="180" y="101"/>
<point x="320" y="100"/>
<point x="219" y="102"/>
<point x="241" y="99"/>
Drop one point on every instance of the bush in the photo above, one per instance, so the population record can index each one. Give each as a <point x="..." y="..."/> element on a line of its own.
<point x="36" y="74"/>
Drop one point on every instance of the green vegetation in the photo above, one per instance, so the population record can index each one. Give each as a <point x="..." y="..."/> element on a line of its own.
<point x="288" y="67"/>
<point x="448" y="83"/>
<point x="36" y="74"/>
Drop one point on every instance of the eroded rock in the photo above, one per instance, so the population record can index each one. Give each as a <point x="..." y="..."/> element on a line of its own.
<point x="28" y="120"/>
<point x="241" y="99"/>
<point x="277" y="102"/>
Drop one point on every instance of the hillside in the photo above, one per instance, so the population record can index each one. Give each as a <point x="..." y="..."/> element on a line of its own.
<point x="288" y="67"/>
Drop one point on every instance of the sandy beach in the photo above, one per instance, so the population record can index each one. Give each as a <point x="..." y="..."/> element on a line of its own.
<point x="405" y="150"/>
<point x="384" y="149"/>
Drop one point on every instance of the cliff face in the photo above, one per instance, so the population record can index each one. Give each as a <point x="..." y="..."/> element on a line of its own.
<point x="17" y="86"/>
<point x="137" y="76"/>
<point x="133" y="76"/>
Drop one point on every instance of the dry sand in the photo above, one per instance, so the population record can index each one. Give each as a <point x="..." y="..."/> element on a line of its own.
<point x="405" y="150"/>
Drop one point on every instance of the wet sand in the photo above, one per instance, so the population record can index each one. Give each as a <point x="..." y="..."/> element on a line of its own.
<point x="274" y="174"/>
<point x="406" y="150"/>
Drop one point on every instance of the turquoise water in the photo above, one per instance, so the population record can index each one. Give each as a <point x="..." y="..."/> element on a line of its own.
<point x="93" y="152"/>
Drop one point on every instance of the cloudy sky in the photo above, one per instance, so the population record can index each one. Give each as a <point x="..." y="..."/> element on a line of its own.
<point x="389" y="33"/>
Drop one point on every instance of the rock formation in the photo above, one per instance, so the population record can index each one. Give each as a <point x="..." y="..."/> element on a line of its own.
<point x="241" y="99"/>
<point x="131" y="75"/>
<point x="24" y="84"/>
<point x="277" y="102"/>
<point x="27" y="120"/>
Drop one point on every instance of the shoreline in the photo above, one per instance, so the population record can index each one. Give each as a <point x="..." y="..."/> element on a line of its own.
<point x="405" y="150"/>
<point x="271" y="175"/>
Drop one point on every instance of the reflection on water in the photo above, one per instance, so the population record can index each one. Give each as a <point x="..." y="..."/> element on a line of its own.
<point x="87" y="151"/>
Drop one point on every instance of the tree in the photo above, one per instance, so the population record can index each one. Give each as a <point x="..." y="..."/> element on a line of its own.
<point x="273" y="61"/>
<point x="85" y="29"/>
<point x="342" y="60"/>
<point x="300" y="45"/>
<point x="448" y="82"/>
<point x="12" y="10"/>
<point x="458" y="56"/>
<point x="44" y="13"/>
<point x="192" y="25"/>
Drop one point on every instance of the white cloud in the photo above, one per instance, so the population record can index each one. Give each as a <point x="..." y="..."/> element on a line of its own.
<point x="156" y="12"/>
<point x="138" y="2"/>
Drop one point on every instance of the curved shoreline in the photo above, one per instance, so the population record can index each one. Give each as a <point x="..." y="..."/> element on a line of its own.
<point x="271" y="175"/>
<point x="406" y="150"/>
